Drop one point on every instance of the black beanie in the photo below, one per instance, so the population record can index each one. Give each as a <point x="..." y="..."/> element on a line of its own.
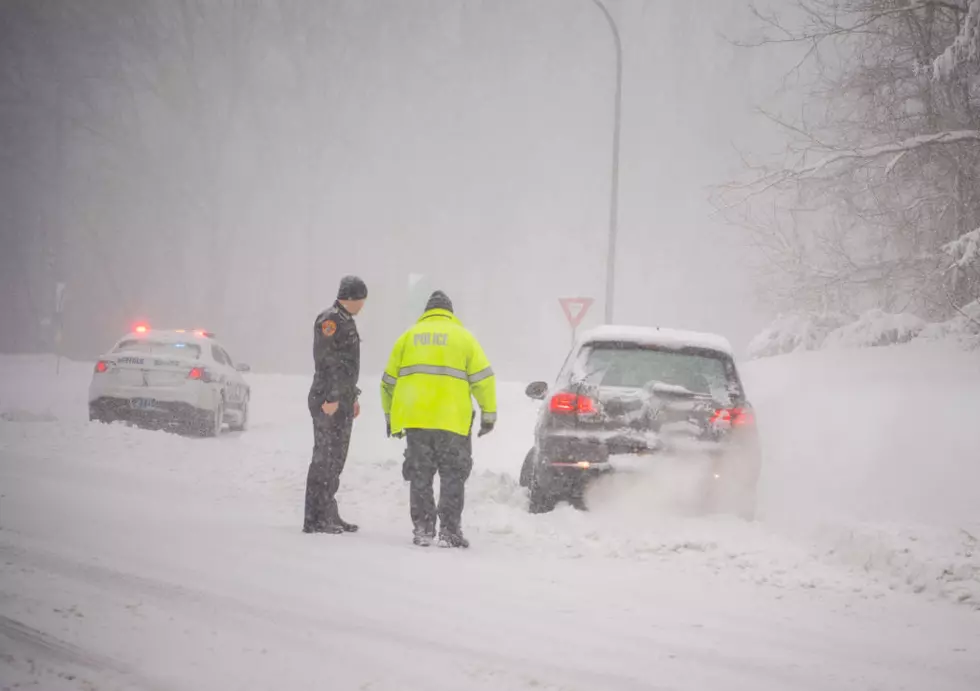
<point x="439" y="301"/>
<point x="352" y="288"/>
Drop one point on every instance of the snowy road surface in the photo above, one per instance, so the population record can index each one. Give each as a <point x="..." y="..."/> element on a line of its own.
<point x="141" y="560"/>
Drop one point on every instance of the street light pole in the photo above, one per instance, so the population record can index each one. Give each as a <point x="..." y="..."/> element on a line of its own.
<point x="614" y="187"/>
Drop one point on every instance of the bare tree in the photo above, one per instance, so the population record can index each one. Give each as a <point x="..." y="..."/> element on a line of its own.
<point x="882" y="170"/>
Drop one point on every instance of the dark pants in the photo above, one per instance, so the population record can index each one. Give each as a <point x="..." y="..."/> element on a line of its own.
<point x="331" y="438"/>
<point x="431" y="451"/>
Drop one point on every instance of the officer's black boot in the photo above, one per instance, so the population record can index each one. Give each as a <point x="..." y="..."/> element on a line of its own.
<point x="421" y="537"/>
<point x="453" y="539"/>
<point x="348" y="527"/>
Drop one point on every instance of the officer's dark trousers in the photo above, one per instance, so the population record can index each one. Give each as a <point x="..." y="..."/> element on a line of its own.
<point x="331" y="438"/>
<point x="428" y="452"/>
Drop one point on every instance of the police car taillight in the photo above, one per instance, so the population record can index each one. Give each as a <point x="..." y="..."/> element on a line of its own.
<point x="199" y="374"/>
<point x="101" y="367"/>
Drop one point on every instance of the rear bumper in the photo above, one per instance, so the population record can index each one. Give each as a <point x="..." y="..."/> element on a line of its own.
<point x="202" y="395"/>
<point x="162" y="413"/>
<point x="565" y="464"/>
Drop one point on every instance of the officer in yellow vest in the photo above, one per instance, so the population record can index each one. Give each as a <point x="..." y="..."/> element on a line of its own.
<point x="435" y="369"/>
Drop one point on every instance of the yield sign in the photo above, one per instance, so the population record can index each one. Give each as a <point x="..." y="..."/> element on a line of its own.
<point x="575" y="309"/>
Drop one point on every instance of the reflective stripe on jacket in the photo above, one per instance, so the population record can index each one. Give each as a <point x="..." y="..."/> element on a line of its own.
<point x="434" y="371"/>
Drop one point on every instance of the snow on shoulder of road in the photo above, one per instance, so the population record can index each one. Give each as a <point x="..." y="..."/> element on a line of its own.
<point x="136" y="559"/>
<point x="875" y="450"/>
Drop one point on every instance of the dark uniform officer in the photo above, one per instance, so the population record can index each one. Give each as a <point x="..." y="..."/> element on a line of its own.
<point x="333" y="405"/>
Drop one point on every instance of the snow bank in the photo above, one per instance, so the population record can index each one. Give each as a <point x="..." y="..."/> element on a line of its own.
<point x="801" y="332"/>
<point x="872" y="454"/>
<point x="923" y="559"/>
<point x="875" y="328"/>
<point x="794" y="332"/>
<point x="35" y="386"/>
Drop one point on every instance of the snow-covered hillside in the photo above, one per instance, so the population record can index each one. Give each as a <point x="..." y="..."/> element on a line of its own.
<point x="134" y="559"/>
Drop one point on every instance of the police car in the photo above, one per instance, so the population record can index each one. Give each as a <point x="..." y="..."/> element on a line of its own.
<point x="630" y="396"/>
<point x="180" y="379"/>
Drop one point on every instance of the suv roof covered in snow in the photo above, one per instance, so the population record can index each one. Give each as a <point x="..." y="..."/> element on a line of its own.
<point x="657" y="337"/>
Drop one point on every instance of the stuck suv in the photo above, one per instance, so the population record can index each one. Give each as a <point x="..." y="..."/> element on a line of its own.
<point x="627" y="397"/>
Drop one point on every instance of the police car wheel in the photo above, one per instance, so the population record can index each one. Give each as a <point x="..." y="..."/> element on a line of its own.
<point x="211" y="421"/>
<point x="95" y="415"/>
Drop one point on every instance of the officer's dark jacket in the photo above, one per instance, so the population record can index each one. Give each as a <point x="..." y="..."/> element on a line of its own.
<point x="337" y="357"/>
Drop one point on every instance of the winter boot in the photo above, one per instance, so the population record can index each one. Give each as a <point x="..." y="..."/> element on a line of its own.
<point x="348" y="527"/>
<point x="422" y="537"/>
<point x="330" y="528"/>
<point x="448" y="539"/>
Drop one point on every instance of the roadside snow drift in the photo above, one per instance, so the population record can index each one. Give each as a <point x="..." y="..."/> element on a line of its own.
<point x="134" y="559"/>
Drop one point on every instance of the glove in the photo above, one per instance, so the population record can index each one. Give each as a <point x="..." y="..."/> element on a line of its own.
<point x="485" y="428"/>
<point x="388" y="426"/>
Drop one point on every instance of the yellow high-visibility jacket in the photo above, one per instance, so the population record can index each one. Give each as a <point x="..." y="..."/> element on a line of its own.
<point x="434" y="371"/>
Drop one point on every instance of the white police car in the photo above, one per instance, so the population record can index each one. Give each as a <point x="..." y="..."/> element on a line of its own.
<point x="180" y="379"/>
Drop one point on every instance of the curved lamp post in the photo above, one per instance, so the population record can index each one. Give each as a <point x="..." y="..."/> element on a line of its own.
<point x="614" y="187"/>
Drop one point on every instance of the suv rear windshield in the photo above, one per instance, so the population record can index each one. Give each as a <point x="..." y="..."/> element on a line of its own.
<point x="629" y="365"/>
<point x="159" y="348"/>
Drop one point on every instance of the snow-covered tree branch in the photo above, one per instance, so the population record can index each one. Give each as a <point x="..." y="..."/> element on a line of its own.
<point x="965" y="250"/>
<point x="965" y="48"/>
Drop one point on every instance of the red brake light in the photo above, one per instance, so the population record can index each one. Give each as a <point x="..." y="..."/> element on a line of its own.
<point x="563" y="403"/>
<point x="101" y="366"/>
<point x="743" y="416"/>
<point x="566" y="403"/>
<point x="737" y="417"/>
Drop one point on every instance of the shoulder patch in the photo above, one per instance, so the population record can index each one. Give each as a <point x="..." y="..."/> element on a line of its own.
<point x="329" y="328"/>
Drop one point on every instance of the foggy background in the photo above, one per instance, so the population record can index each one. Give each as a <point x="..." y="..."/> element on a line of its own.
<point x="222" y="164"/>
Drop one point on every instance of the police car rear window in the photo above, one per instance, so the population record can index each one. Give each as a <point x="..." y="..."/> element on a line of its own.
<point x="159" y="348"/>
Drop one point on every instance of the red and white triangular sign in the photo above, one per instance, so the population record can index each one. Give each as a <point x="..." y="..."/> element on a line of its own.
<point x="575" y="309"/>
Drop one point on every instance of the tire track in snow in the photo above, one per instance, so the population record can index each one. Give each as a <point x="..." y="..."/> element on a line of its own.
<point x="42" y="650"/>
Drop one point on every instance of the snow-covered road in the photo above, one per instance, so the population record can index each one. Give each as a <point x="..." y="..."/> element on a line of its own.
<point x="141" y="560"/>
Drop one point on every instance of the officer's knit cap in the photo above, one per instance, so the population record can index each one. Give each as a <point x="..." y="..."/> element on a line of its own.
<point x="352" y="288"/>
<point x="439" y="301"/>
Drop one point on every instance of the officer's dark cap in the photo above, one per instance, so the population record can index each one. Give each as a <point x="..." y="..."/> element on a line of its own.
<point x="439" y="301"/>
<point x="352" y="288"/>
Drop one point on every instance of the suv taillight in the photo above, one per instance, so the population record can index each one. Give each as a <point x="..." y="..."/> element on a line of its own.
<point x="200" y="374"/>
<point x="566" y="403"/>
<point x="737" y="417"/>
<point x="101" y="367"/>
